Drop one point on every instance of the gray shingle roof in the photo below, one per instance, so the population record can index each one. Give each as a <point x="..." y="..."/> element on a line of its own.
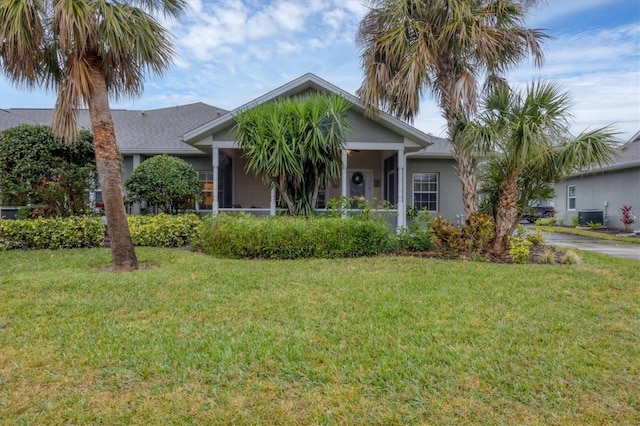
<point x="441" y="148"/>
<point x="153" y="131"/>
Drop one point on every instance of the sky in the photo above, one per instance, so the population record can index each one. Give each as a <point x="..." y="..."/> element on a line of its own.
<point x="230" y="52"/>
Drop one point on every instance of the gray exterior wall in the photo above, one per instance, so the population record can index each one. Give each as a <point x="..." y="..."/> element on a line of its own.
<point x="363" y="130"/>
<point x="616" y="187"/>
<point x="449" y="190"/>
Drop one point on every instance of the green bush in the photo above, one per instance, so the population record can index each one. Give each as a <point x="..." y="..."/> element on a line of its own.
<point x="471" y="240"/>
<point x="163" y="230"/>
<point x="417" y="236"/>
<point x="536" y="237"/>
<point x="519" y="248"/>
<point x="38" y="168"/>
<point x="286" y="237"/>
<point x="479" y="231"/>
<point x="575" y="221"/>
<point x="166" y="183"/>
<point x="551" y="221"/>
<point x="448" y="238"/>
<point x="52" y="233"/>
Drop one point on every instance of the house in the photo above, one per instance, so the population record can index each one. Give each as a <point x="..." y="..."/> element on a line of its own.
<point x="385" y="159"/>
<point x="597" y="195"/>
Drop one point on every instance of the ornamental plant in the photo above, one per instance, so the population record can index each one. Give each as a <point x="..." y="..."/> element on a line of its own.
<point x="167" y="184"/>
<point x="37" y="168"/>
<point x="627" y="219"/>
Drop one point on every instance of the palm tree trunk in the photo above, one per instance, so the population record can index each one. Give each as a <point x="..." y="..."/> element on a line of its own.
<point x="506" y="214"/>
<point x="123" y="257"/>
<point x="467" y="178"/>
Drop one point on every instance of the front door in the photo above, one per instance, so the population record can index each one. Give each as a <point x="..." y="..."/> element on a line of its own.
<point x="361" y="184"/>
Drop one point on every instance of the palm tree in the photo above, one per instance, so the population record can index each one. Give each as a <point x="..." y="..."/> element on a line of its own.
<point x="88" y="50"/>
<point x="446" y="47"/>
<point x="525" y="140"/>
<point x="295" y="144"/>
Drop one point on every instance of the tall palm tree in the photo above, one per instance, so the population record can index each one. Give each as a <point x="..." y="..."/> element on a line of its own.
<point x="446" y="47"/>
<point x="89" y="50"/>
<point x="526" y="142"/>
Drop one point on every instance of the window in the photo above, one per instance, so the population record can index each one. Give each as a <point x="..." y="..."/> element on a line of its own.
<point x="206" y="184"/>
<point x="425" y="191"/>
<point x="321" y="201"/>
<point x="571" y="197"/>
<point x="391" y="183"/>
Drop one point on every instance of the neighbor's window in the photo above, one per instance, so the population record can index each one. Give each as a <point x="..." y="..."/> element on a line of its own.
<point x="206" y="183"/>
<point x="425" y="191"/>
<point x="571" y="197"/>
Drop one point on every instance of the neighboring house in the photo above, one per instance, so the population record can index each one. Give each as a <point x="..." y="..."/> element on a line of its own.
<point x="597" y="195"/>
<point x="385" y="159"/>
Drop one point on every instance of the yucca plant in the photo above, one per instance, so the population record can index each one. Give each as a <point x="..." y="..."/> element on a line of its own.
<point x="295" y="145"/>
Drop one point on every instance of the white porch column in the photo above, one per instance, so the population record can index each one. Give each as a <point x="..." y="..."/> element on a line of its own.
<point x="402" y="184"/>
<point x="215" y="158"/>
<point x="135" y="207"/>
<point x="343" y="192"/>
<point x="272" y="205"/>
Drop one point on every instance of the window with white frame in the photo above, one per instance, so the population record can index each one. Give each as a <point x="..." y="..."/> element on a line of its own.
<point x="206" y="184"/>
<point x="425" y="191"/>
<point x="571" y="197"/>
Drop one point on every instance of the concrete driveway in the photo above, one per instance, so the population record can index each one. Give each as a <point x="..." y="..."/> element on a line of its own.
<point x="612" y="248"/>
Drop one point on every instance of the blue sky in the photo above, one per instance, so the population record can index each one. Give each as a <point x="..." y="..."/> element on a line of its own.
<point x="232" y="51"/>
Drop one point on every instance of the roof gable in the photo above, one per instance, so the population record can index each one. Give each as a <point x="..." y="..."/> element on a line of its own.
<point x="306" y="83"/>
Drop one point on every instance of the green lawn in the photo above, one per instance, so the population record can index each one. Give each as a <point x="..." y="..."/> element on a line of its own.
<point x="389" y="340"/>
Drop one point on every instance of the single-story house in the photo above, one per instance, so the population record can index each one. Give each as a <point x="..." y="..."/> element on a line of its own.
<point x="597" y="195"/>
<point x="385" y="159"/>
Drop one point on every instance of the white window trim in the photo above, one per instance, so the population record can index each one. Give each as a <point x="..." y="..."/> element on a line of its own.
<point x="575" y="198"/>
<point x="437" y="191"/>
<point x="204" y="177"/>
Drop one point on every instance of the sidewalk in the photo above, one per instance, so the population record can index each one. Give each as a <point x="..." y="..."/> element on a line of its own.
<point x="612" y="248"/>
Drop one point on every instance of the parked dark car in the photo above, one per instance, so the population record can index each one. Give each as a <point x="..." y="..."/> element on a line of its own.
<point x="536" y="211"/>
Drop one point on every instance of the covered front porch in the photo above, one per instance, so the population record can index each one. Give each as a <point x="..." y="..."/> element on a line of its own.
<point x="371" y="172"/>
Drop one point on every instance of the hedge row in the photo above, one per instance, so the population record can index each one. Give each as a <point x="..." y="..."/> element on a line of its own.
<point x="245" y="236"/>
<point x="54" y="233"/>
<point x="235" y="236"/>
<point x="164" y="230"/>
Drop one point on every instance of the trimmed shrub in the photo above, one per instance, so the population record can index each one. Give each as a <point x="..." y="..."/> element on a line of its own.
<point x="166" y="183"/>
<point x="285" y="237"/>
<point x="163" y="230"/>
<point x="52" y="233"/>
<point x="417" y="236"/>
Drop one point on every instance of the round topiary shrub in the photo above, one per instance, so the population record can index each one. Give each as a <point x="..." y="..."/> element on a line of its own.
<point x="166" y="183"/>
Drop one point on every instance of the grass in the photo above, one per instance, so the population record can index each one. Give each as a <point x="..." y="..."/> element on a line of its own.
<point x="385" y="340"/>
<point x="588" y="233"/>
